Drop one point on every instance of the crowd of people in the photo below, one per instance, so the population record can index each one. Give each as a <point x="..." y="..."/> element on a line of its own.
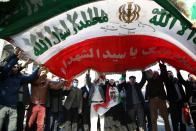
<point x="60" y="106"/>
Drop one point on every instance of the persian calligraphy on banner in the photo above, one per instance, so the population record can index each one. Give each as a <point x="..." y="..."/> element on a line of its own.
<point x="110" y="36"/>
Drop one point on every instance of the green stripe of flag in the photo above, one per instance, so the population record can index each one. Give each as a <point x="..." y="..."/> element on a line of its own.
<point x="18" y="15"/>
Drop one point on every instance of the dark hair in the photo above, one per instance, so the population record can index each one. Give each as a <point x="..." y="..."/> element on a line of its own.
<point x="18" y="66"/>
<point x="1" y="68"/>
<point x="189" y="74"/>
<point x="169" y="72"/>
<point x="75" y="80"/>
<point x="132" y="77"/>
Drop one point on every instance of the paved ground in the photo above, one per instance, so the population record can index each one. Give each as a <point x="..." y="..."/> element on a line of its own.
<point x="161" y="125"/>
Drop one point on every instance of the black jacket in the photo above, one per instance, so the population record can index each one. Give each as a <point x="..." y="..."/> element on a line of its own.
<point x="74" y="99"/>
<point x="54" y="100"/>
<point x="155" y="87"/>
<point x="190" y="88"/>
<point x="24" y="94"/>
<point x="86" y="99"/>
<point x="170" y="83"/>
<point x="138" y="87"/>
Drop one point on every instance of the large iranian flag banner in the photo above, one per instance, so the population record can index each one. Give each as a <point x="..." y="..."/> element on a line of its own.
<point x="110" y="36"/>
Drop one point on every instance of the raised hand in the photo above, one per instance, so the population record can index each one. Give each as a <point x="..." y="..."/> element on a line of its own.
<point x="17" y="51"/>
<point x="162" y="62"/>
<point x="177" y="69"/>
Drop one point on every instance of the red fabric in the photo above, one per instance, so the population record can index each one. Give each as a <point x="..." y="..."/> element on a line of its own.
<point x="107" y="100"/>
<point x="140" y="51"/>
<point x="186" y="114"/>
<point x="38" y="111"/>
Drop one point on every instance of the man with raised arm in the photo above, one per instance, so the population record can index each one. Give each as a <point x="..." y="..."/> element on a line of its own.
<point x="176" y="98"/>
<point x="156" y="95"/>
<point x="134" y="104"/>
<point x="73" y="107"/>
<point x="39" y="91"/>
<point x="190" y="86"/>
<point x="11" y="81"/>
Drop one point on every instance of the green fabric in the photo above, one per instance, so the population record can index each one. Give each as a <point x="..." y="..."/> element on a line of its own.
<point x="123" y="77"/>
<point x="22" y="14"/>
<point x="193" y="11"/>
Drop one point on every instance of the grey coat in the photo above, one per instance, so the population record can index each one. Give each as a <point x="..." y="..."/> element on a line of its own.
<point x="74" y="99"/>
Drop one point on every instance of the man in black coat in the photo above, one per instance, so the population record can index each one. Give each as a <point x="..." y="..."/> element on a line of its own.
<point x="55" y="110"/>
<point x="156" y="95"/>
<point x="190" y="86"/>
<point x="176" y="97"/>
<point x="73" y="107"/>
<point x="86" y="105"/>
<point x="134" y="103"/>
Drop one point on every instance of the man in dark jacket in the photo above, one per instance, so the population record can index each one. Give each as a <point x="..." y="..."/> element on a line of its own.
<point x="23" y="103"/>
<point x="190" y="86"/>
<point x="55" y="110"/>
<point x="176" y="97"/>
<point x="86" y="105"/>
<point x="134" y="103"/>
<point x="73" y="106"/>
<point x="156" y="95"/>
<point x="11" y="81"/>
<point x="23" y="100"/>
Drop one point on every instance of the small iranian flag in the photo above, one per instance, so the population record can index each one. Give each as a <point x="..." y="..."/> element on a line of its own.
<point x="112" y="99"/>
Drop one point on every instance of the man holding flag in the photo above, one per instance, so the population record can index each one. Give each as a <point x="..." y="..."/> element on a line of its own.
<point x="96" y="96"/>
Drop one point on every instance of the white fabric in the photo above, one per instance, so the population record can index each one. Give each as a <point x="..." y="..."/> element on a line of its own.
<point x="97" y="95"/>
<point x="113" y="27"/>
<point x="94" y="118"/>
<point x="87" y="88"/>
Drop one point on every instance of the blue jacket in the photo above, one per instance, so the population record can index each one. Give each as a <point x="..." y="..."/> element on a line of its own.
<point x="10" y="83"/>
